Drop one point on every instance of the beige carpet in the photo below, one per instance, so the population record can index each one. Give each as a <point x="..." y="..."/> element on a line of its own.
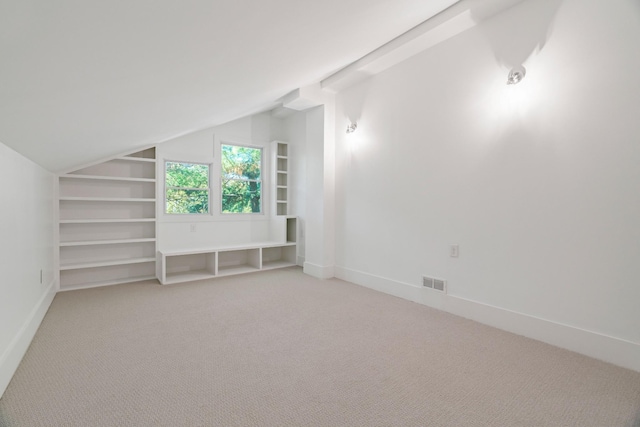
<point x="280" y="348"/>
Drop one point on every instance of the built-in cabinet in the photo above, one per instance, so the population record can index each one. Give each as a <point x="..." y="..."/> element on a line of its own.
<point x="280" y="178"/>
<point x="206" y="263"/>
<point x="107" y="222"/>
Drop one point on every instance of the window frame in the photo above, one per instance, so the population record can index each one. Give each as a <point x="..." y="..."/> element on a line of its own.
<point x="208" y="189"/>
<point x="261" y="180"/>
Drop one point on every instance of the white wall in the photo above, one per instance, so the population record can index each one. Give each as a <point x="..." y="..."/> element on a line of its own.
<point x="216" y="229"/>
<point x="26" y="247"/>
<point x="538" y="183"/>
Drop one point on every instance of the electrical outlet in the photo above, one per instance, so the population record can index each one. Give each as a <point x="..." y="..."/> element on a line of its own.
<point x="193" y="228"/>
<point x="454" y="251"/>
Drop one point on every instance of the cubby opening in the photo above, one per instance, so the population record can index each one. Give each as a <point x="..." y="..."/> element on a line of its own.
<point x="238" y="261"/>
<point x="292" y="230"/>
<point x="191" y="266"/>
<point x="278" y="257"/>
<point x="282" y="208"/>
<point x="282" y="194"/>
<point x="282" y="150"/>
<point x="282" y="179"/>
<point x="282" y="164"/>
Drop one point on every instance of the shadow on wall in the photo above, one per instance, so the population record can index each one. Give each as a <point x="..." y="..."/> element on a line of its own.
<point x="522" y="37"/>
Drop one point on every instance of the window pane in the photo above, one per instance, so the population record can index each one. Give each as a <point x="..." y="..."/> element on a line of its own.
<point x="241" y="162"/>
<point x="187" y="175"/>
<point x="187" y="201"/>
<point x="241" y="196"/>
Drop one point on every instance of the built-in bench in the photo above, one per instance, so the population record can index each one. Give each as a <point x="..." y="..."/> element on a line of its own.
<point x="176" y="266"/>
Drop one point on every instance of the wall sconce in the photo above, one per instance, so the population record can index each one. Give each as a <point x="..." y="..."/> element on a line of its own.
<point x="516" y="75"/>
<point x="351" y="128"/>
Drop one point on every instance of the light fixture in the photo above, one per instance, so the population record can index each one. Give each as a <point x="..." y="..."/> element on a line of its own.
<point x="516" y="75"/>
<point x="352" y="127"/>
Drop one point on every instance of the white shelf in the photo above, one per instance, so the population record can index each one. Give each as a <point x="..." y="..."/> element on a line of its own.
<point x="206" y="263"/>
<point x="135" y="159"/>
<point x="106" y="263"/>
<point x="188" y="276"/>
<point x="107" y="178"/>
<point x="106" y="221"/>
<point x="96" y="250"/>
<point x="236" y="269"/>
<point x="106" y="242"/>
<point x="271" y="265"/>
<point x="109" y="283"/>
<point x="105" y="199"/>
<point x="280" y="177"/>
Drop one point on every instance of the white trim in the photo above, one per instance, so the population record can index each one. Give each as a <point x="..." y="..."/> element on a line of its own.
<point x="300" y="261"/>
<point x="593" y="344"/>
<point x="12" y="356"/>
<point x="318" y="271"/>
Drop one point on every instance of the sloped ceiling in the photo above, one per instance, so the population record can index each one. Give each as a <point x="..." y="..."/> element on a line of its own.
<point x="81" y="80"/>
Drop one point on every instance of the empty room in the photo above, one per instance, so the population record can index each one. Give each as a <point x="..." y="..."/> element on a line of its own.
<point x="336" y="213"/>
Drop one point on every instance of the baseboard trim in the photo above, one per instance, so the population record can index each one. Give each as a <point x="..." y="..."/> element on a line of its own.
<point x="609" y="349"/>
<point x="318" y="271"/>
<point x="11" y="358"/>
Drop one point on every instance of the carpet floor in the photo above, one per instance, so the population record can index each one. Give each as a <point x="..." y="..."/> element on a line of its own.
<point x="280" y="348"/>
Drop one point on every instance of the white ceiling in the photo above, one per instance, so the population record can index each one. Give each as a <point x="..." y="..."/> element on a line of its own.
<point x="81" y="80"/>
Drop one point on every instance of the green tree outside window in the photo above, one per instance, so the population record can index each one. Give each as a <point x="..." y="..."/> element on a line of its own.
<point x="187" y="188"/>
<point x="241" y="179"/>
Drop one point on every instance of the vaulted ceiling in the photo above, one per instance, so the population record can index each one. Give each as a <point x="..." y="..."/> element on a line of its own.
<point x="82" y="80"/>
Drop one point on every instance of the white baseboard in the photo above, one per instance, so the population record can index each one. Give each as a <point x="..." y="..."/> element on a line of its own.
<point x="603" y="347"/>
<point x="14" y="353"/>
<point x="318" y="271"/>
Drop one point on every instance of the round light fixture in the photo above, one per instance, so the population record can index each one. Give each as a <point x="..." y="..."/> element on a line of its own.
<point x="516" y="75"/>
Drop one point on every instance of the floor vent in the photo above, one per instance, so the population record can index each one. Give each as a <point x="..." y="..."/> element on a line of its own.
<point x="435" y="284"/>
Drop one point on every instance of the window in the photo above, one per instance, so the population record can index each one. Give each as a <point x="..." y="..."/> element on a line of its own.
<point x="241" y="179"/>
<point x="187" y="188"/>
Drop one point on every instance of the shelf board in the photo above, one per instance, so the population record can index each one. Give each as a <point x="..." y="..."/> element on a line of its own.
<point x="282" y="157"/>
<point x="105" y="221"/>
<point x="188" y="276"/>
<point x="108" y="283"/>
<point x="135" y="159"/>
<point x="104" y="199"/>
<point x="283" y="172"/>
<point x="106" y="178"/>
<point x="271" y="265"/>
<point x="236" y="269"/>
<point x="281" y="186"/>
<point x="78" y="266"/>
<point x="107" y="242"/>
<point x="281" y="201"/>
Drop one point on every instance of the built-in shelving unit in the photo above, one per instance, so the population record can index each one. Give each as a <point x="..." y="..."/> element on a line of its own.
<point x="280" y="167"/>
<point x="207" y="263"/>
<point x="107" y="222"/>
